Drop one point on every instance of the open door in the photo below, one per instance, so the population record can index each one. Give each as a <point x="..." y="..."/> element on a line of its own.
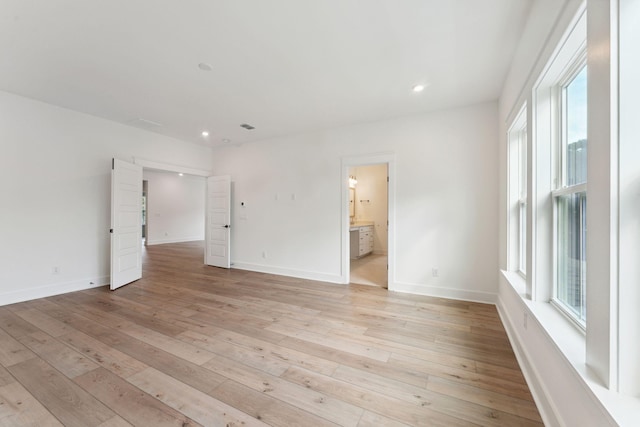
<point x="126" y="223"/>
<point x="217" y="229"/>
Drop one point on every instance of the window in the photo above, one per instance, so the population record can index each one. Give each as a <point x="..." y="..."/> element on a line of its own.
<point x="557" y="206"/>
<point x="517" y="140"/>
<point x="570" y="196"/>
<point x="522" y="202"/>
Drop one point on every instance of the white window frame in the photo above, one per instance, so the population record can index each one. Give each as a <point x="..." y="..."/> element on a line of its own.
<point x="561" y="189"/>
<point x="546" y="173"/>
<point x="522" y="202"/>
<point x="517" y="181"/>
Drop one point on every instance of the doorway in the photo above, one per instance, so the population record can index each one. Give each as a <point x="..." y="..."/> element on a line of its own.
<point x="175" y="207"/>
<point x="368" y="256"/>
<point x="368" y="234"/>
<point x="131" y="214"/>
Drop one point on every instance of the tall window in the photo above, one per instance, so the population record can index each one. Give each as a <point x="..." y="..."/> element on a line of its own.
<point x="522" y="201"/>
<point x="570" y="197"/>
<point x="517" y="139"/>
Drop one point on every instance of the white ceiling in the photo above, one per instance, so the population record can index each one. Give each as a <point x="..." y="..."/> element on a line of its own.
<point x="284" y="66"/>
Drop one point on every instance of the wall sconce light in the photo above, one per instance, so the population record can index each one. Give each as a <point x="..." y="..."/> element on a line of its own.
<point x="352" y="181"/>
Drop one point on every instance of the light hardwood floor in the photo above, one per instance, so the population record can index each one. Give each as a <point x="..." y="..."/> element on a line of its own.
<point x="196" y="345"/>
<point x="369" y="270"/>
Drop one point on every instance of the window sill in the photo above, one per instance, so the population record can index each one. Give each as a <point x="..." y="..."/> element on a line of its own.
<point x="571" y="342"/>
<point x="566" y="336"/>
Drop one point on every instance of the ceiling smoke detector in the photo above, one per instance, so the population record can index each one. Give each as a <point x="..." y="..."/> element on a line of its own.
<point x="247" y="126"/>
<point x="205" y="67"/>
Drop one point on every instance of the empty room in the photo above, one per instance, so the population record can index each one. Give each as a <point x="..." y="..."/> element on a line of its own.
<point x="319" y="213"/>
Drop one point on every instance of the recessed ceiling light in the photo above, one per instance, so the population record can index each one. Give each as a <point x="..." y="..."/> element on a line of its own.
<point x="205" y="133"/>
<point x="180" y="174"/>
<point x="205" y="67"/>
<point x="226" y="141"/>
<point x="419" y="88"/>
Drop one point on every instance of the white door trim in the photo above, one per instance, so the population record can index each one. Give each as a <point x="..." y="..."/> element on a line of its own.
<point x="150" y="164"/>
<point x="369" y="159"/>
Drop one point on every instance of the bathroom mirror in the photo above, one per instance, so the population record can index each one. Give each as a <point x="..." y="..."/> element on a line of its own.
<point x="352" y="202"/>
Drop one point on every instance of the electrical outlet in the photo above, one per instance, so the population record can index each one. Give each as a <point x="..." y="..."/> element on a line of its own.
<point x="55" y="270"/>
<point x="434" y="272"/>
<point x="264" y="254"/>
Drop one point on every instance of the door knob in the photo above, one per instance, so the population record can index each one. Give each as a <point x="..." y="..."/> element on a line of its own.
<point x="226" y="226"/>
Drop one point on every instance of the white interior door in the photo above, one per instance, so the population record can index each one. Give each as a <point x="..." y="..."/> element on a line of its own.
<point x="218" y="227"/>
<point x="126" y="223"/>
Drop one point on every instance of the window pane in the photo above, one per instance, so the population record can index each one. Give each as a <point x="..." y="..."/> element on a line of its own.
<point x="523" y="164"/>
<point x="523" y="237"/>
<point x="576" y="129"/>
<point x="522" y="214"/>
<point x="572" y="265"/>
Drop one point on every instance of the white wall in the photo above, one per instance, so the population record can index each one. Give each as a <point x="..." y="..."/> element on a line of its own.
<point x="55" y="187"/>
<point x="446" y="200"/>
<point x="175" y="207"/>
<point x="371" y="201"/>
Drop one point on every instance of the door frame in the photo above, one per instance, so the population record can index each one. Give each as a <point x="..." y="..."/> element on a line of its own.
<point x="168" y="167"/>
<point x="389" y="159"/>
<point x="212" y="212"/>
<point x="145" y="192"/>
<point x="150" y="164"/>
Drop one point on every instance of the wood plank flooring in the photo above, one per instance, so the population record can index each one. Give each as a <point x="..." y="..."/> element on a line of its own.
<point x="192" y="345"/>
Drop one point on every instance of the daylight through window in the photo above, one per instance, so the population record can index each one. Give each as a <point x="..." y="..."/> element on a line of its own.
<point x="571" y="198"/>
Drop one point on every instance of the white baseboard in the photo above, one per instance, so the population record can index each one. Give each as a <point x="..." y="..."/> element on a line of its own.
<point x="302" y="274"/>
<point x="551" y="354"/>
<point x="546" y="407"/>
<point x="435" y="291"/>
<point x="13" y="297"/>
<point x="178" y="240"/>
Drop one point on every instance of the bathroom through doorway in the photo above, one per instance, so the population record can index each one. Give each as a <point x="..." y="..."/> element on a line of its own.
<point x="369" y="224"/>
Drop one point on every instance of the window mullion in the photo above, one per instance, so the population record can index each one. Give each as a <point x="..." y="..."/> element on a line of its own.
<point x="579" y="188"/>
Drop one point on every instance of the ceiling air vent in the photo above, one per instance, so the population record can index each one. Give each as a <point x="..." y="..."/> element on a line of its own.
<point x="247" y="126"/>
